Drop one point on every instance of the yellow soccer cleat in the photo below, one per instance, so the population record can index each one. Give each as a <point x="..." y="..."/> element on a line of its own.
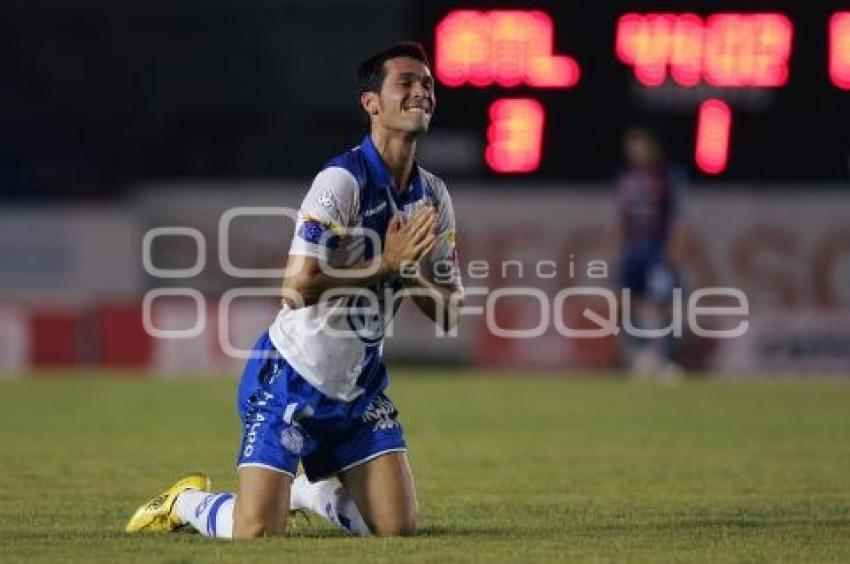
<point x="157" y="514"/>
<point x="298" y="522"/>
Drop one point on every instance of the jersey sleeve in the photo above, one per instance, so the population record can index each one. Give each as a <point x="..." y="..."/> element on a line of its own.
<point x="442" y="265"/>
<point x="329" y="207"/>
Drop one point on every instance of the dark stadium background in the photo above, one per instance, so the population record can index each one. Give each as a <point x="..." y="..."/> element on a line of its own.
<point x="147" y="148"/>
<point x="100" y="95"/>
<point x="120" y="117"/>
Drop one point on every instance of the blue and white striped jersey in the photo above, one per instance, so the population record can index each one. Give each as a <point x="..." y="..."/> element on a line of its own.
<point x="336" y="345"/>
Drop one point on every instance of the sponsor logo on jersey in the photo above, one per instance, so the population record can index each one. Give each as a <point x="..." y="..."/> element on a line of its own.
<point x="366" y="321"/>
<point x="327" y="201"/>
<point x="377" y="209"/>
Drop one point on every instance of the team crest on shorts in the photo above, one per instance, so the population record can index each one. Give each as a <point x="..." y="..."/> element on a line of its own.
<point x="381" y="412"/>
<point x="292" y="439"/>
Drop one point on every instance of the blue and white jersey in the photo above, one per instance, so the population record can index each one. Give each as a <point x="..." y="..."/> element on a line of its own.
<point x="336" y="345"/>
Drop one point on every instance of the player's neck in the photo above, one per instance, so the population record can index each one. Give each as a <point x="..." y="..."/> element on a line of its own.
<point x="398" y="152"/>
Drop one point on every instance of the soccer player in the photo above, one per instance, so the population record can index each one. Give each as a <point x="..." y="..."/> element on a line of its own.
<point x="374" y="223"/>
<point x="650" y="238"/>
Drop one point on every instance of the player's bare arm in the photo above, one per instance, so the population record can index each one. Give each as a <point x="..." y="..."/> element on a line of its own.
<point x="441" y="303"/>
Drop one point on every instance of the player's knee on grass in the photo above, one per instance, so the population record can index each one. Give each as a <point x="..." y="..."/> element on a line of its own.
<point x="257" y="522"/>
<point x="262" y="503"/>
<point x="401" y="525"/>
<point x="385" y="495"/>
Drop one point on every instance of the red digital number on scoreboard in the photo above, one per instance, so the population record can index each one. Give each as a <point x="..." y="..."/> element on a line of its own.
<point x="515" y="135"/>
<point x="714" y="122"/>
<point x="724" y="50"/>
<point x="839" y="50"/>
<point x="510" y="48"/>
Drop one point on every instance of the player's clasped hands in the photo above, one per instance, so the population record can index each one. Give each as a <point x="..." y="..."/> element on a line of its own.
<point x="407" y="241"/>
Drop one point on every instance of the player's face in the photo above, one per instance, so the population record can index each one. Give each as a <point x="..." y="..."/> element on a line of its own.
<point x="406" y="102"/>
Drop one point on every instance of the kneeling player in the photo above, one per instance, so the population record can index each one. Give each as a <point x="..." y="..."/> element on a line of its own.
<point x="314" y="390"/>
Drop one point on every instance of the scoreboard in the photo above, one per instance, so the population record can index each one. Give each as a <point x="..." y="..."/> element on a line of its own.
<point x="738" y="90"/>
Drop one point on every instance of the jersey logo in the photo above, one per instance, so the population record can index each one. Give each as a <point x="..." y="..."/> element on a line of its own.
<point x="314" y="231"/>
<point x="327" y="201"/>
<point x="366" y="321"/>
<point x="451" y="238"/>
<point x="377" y="209"/>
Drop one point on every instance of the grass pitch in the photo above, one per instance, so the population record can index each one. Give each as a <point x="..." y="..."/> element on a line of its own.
<point x="509" y="469"/>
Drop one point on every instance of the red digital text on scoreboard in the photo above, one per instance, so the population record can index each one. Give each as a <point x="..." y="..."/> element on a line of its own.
<point x="513" y="48"/>
<point x="501" y="47"/>
<point x="723" y="50"/>
<point x="839" y="50"/>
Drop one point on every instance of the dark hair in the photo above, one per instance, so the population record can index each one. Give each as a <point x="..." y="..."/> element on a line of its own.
<point x="371" y="72"/>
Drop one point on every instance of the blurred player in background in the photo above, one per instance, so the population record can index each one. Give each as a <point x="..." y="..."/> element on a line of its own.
<point x="649" y="240"/>
<point x="314" y="391"/>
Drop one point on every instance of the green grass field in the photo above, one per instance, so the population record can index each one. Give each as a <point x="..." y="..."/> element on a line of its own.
<point x="509" y="469"/>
